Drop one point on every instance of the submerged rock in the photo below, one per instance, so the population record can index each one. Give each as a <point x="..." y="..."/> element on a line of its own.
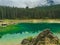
<point x="44" y="38"/>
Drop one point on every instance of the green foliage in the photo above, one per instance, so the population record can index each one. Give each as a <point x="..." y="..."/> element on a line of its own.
<point x="30" y="38"/>
<point x="51" y="12"/>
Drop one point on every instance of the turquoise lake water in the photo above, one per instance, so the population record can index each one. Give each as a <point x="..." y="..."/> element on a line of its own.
<point x="25" y="30"/>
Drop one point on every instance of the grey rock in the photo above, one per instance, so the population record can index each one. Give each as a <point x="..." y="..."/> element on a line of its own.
<point x="44" y="38"/>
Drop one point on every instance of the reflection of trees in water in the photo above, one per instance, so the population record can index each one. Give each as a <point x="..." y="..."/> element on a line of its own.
<point x="29" y="28"/>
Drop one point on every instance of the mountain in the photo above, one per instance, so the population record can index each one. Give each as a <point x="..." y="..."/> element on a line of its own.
<point x="44" y="38"/>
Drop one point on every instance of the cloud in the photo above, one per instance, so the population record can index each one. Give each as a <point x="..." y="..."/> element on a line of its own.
<point x="57" y="1"/>
<point x="24" y="3"/>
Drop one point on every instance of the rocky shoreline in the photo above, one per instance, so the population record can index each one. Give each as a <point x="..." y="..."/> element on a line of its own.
<point x="44" y="38"/>
<point x="8" y="22"/>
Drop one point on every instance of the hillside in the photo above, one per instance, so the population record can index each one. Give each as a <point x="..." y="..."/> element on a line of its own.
<point x="44" y="12"/>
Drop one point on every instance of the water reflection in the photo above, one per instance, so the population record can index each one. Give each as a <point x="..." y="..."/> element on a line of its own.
<point x="12" y="39"/>
<point x="28" y="30"/>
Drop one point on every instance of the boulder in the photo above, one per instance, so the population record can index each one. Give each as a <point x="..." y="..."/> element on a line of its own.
<point x="44" y="38"/>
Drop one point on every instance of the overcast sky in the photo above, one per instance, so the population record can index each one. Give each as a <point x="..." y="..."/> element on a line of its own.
<point x="24" y="3"/>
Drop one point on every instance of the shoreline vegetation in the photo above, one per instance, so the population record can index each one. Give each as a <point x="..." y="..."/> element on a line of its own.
<point x="16" y="21"/>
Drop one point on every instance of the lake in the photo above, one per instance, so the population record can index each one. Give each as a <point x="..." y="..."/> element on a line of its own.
<point x="14" y="34"/>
